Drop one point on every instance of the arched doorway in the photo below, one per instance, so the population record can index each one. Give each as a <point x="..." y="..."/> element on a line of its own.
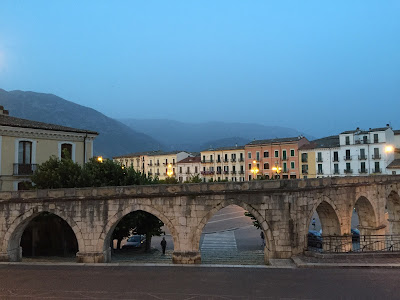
<point x="393" y="209"/>
<point x="233" y="234"/>
<point x="137" y="236"/>
<point x="43" y="236"/>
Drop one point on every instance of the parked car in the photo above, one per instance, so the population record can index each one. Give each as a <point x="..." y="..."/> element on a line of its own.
<point x="314" y="239"/>
<point x="135" y="241"/>
<point x="355" y="235"/>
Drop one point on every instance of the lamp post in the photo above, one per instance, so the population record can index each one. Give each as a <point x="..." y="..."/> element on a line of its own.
<point x="254" y="170"/>
<point x="169" y="171"/>
<point x="100" y="159"/>
<point x="277" y="169"/>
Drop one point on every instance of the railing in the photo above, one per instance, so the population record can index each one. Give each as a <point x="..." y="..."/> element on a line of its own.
<point x="219" y="161"/>
<point x="362" y="171"/>
<point x="206" y="161"/>
<point x="319" y="159"/>
<point x="233" y="160"/>
<point x="233" y="172"/>
<point x="226" y="160"/>
<point x="336" y="172"/>
<point x="241" y="159"/>
<point x="376" y="156"/>
<point x="376" y="170"/>
<point x="320" y="172"/>
<point x="188" y="172"/>
<point x="241" y="172"/>
<point x="304" y="172"/>
<point x="347" y="158"/>
<point x="219" y="172"/>
<point x="362" y="157"/>
<point x="24" y="169"/>
<point x="284" y="158"/>
<point x="157" y="164"/>
<point x="335" y="159"/>
<point x="353" y="243"/>
<point x="207" y="172"/>
<point x="285" y="171"/>
<point x="348" y="171"/>
<point x="226" y="172"/>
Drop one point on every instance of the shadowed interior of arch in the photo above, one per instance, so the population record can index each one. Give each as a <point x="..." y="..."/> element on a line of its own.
<point x="366" y="215"/>
<point x="137" y="237"/>
<point x="231" y="237"/>
<point x="46" y="235"/>
<point x="393" y="210"/>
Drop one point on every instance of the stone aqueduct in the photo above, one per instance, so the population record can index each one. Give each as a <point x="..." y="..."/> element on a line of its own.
<point x="284" y="209"/>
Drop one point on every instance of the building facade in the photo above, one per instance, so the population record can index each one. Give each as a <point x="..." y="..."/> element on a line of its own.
<point x="223" y="164"/>
<point x="24" y="144"/>
<point x="153" y="163"/>
<point x="187" y="168"/>
<point x="281" y="154"/>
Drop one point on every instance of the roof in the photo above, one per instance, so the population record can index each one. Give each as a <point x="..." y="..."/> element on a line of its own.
<point x="6" y="120"/>
<point x="149" y="153"/>
<point x="189" y="160"/>
<point x="225" y="148"/>
<point x="272" y="141"/>
<point x="326" y="142"/>
<point x="395" y="164"/>
<point x="359" y="131"/>
<point x="396" y="132"/>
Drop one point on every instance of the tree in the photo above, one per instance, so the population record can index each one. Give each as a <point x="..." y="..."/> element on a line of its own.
<point x="194" y="179"/>
<point x="255" y="222"/>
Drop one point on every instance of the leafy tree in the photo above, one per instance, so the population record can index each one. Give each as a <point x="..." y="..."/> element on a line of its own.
<point x="169" y="180"/>
<point x="255" y="222"/>
<point x="194" y="179"/>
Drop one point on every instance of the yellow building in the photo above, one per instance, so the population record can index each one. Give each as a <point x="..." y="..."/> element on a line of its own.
<point x="24" y="144"/>
<point x="153" y="163"/>
<point x="226" y="163"/>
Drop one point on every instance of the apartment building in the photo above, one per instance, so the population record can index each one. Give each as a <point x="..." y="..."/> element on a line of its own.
<point x="281" y="154"/>
<point x="225" y="163"/>
<point x="188" y="167"/>
<point x="153" y="163"/>
<point x="24" y="144"/>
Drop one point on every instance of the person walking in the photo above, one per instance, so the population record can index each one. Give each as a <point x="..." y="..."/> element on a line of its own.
<point x="163" y="245"/>
<point x="262" y="238"/>
<point x="313" y="223"/>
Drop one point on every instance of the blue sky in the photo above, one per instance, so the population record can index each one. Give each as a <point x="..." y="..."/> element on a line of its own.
<point x="318" y="66"/>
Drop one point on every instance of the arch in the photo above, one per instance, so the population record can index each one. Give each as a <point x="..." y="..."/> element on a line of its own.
<point x="393" y="207"/>
<point x="328" y="215"/>
<point x="105" y="236"/>
<point x="195" y="238"/>
<point x="366" y="215"/>
<point x="12" y="238"/>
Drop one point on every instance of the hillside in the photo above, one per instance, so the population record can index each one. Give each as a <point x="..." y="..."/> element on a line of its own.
<point x="194" y="136"/>
<point x="114" y="137"/>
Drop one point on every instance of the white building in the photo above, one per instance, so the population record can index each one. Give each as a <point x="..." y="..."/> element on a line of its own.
<point x="187" y="168"/>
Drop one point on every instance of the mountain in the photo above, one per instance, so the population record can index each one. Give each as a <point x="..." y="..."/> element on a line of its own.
<point x="114" y="137"/>
<point x="194" y="136"/>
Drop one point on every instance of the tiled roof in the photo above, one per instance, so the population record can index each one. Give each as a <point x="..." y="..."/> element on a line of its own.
<point x="148" y="153"/>
<point x="394" y="164"/>
<point x="187" y="160"/>
<point x="396" y="132"/>
<point x="359" y="131"/>
<point x="272" y="141"/>
<point x="225" y="148"/>
<point x="326" y="142"/>
<point x="6" y="120"/>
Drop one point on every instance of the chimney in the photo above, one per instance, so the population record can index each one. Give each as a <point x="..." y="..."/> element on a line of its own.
<point x="3" y="111"/>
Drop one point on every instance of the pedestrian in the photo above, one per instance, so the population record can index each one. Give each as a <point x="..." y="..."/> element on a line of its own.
<point x="262" y="238"/>
<point x="163" y="245"/>
<point x="313" y="223"/>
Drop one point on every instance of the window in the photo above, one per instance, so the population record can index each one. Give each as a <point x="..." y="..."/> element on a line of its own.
<point x="66" y="151"/>
<point x="348" y="167"/>
<point x="257" y="155"/>
<point x="376" y="140"/>
<point x="266" y="154"/>
<point x="285" y="167"/>
<point x="249" y="166"/>
<point x="377" y="167"/>
<point x="180" y="169"/>
<point x="204" y="158"/>
<point x="336" y="168"/>
<point x="304" y="169"/>
<point x="365" y="139"/>
<point x="335" y="156"/>
<point x="376" y="153"/>
<point x="266" y="166"/>
<point x="195" y="169"/>
<point x="292" y="166"/>
<point x="226" y="157"/>
<point x="304" y="157"/>
<point x="276" y="153"/>
<point x="320" y="169"/>
<point x="348" y="156"/>
<point x="219" y="158"/>
<point x="249" y="154"/>
<point x="363" y="170"/>
<point x="362" y="154"/>
<point x="319" y="156"/>
<point x="211" y="158"/>
<point x="24" y="153"/>
<point x="347" y="140"/>
<point x="291" y="152"/>
<point x="173" y="161"/>
<point x="284" y="154"/>
<point x="241" y="156"/>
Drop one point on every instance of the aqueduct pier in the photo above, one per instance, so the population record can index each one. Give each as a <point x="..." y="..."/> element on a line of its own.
<point x="284" y="209"/>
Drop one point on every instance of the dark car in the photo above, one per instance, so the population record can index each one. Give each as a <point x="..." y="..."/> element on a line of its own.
<point x="355" y="235"/>
<point x="314" y="239"/>
<point x="135" y="241"/>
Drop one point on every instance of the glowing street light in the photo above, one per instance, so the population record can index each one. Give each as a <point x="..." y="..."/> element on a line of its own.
<point x="277" y="169"/>
<point x="254" y="170"/>
<point x="389" y="149"/>
<point x="170" y="172"/>
<point x="100" y="159"/>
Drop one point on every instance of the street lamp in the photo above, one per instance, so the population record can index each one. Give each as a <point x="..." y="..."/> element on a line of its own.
<point x="277" y="169"/>
<point x="254" y="170"/>
<point x="100" y="159"/>
<point x="169" y="171"/>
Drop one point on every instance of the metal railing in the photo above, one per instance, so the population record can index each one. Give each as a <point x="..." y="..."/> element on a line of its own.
<point x="24" y="169"/>
<point x="362" y="157"/>
<point x="376" y="156"/>
<point x="353" y="243"/>
<point x="347" y="158"/>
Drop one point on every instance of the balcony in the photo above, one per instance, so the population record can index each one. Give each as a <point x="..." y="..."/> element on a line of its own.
<point x="347" y="158"/>
<point x="233" y="160"/>
<point x="188" y="173"/>
<point x="304" y="172"/>
<point x="320" y="172"/>
<point x="376" y="170"/>
<point x="233" y="172"/>
<point x="362" y="171"/>
<point x="241" y="159"/>
<point x="304" y="160"/>
<point x="363" y="141"/>
<point x="376" y="156"/>
<point x="362" y="157"/>
<point x="226" y="160"/>
<point x="157" y="174"/>
<point x="24" y="169"/>
<point x="335" y="159"/>
<point x="150" y="165"/>
<point x="207" y="172"/>
<point x="207" y="161"/>
<point x="219" y="172"/>
<point x="336" y="172"/>
<point x="226" y="172"/>
<point x="285" y="170"/>
<point x="319" y="159"/>
<point x="157" y="164"/>
<point x="348" y="171"/>
<point x="241" y="172"/>
<point x="219" y="161"/>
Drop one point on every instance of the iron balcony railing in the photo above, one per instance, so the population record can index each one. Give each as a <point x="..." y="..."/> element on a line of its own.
<point x="362" y="157"/>
<point x="24" y="169"/>
<point x="233" y="172"/>
<point x="226" y="160"/>
<point x="336" y="172"/>
<point x="319" y="159"/>
<point x="207" y="172"/>
<point x="241" y="172"/>
<point x="348" y="171"/>
<point x="378" y="156"/>
<point x="347" y="158"/>
<point x="205" y="161"/>
<point x="320" y="172"/>
<point x="335" y="159"/>
<point x="377" y="170"/>
<point x="241" y="159"/>
<point x="362" y="171"/>
<point x="353" y="243"/>
<point x="233" y="160"/>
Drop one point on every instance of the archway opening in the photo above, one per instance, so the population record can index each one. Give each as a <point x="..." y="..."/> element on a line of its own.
<point x="47" y="236"/>
<point x="324" y="228"/>
<point x="393" y="210"/>
<point x="140" y="237"/>
<point x="233" y="235"/>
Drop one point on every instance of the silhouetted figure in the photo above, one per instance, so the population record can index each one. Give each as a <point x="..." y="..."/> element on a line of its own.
<point x="313" y="223"/>
<point x="262" y="238"/>
<point x="163" y="245"/>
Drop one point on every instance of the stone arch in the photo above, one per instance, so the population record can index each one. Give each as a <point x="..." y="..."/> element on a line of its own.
<point x="366" y="215"/>
<point x="105" y="236"/>
<point x="393" y="207"/>
<point x="328" y="215"/>
<point x="270" y="245"/>
<point x="12" y="238"/>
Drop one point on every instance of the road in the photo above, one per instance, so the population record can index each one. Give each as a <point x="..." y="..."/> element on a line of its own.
<point x="84" y="282"/>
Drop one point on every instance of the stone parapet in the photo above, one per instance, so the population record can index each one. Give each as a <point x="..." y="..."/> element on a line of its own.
<point x="187" y="257"/>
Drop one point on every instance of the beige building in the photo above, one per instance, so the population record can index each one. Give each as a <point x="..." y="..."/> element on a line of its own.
<point x="152" y="163"/>
<point x="187" y="168"/>
<point x="226" y="163"/>
<point x="24" y="144"/>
